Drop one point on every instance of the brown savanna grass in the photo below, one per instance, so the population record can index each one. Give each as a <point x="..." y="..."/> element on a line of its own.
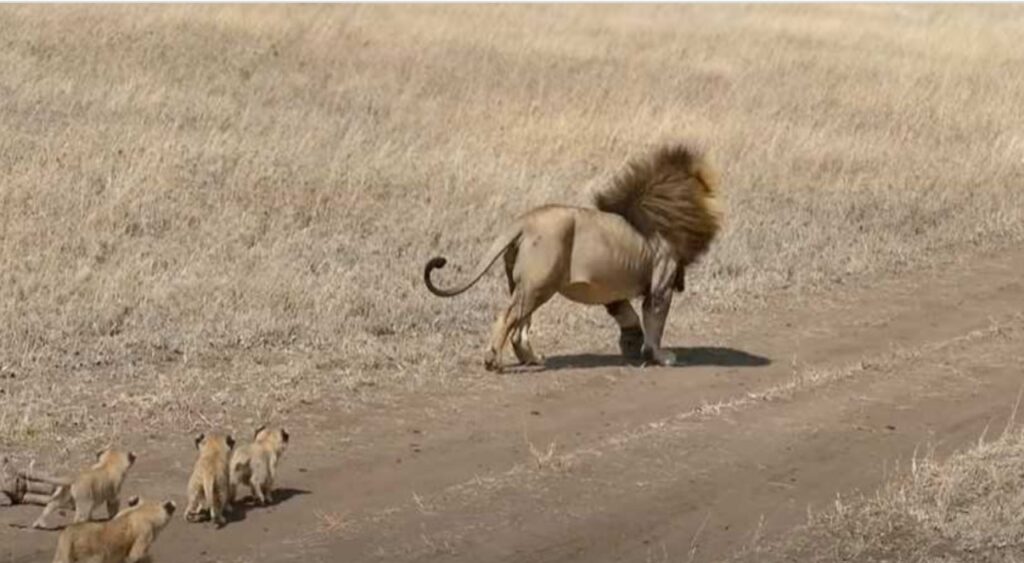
<point x="217" y="210"/>
<point x="966" y="509"/>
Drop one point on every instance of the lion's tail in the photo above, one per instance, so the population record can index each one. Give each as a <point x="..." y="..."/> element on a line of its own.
<point x="498" y="247"/>
<point x="671" y="193"/>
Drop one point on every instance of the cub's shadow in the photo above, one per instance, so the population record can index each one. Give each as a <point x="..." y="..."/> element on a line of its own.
<point x="246" y="503"/>
<point x="685" y="357"/>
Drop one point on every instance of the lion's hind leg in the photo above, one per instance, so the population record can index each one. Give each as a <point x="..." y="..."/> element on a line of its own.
<point x="511" y="255"/>
<point x="514" y="319"/>
<point x="521" y="344"/>
<point x="520" y="334"/>
<point x="534" y="268"/>
<point x="631" y="334"/>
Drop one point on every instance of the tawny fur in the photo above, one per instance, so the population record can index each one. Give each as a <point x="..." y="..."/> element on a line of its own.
<point x="209" y="487"/>
<point x="656" y="218"/>
<point x="255" y="465"/>
<point x="126" y="538"/>
<point x="670" y="193"/>
<point x="100" y="484"/>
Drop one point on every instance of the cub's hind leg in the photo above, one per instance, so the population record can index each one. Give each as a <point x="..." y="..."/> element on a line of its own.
<point x="194" y="509"/>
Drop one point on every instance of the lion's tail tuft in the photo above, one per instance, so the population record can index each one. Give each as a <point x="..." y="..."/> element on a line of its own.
<point x="670" y="193"/>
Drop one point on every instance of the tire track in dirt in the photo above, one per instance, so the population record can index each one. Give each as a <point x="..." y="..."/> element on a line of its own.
<point x="656" y="487"/>
<point x="646" y="464"/>
<point x="914" y="324"/>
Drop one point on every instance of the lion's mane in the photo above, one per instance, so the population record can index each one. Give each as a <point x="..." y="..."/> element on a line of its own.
<point x="669" y="193"/>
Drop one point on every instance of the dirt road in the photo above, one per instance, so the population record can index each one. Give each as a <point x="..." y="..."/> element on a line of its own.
<point x="595" y="461"/>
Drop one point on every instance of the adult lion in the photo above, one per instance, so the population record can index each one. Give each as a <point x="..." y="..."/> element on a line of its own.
<point x="657" y="217"/>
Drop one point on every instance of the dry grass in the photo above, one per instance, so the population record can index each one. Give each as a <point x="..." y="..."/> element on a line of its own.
<point x="969" y="508"/>
<point x="208" y="211"/>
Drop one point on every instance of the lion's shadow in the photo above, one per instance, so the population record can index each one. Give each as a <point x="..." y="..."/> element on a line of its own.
<point x="247" y="503"/>
<point x="696" y="356"/>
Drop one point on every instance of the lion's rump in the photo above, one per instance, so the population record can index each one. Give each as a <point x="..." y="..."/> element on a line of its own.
<point x="670" y="193"/>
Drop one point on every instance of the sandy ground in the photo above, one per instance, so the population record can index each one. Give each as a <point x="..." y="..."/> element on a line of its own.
<point x="591" y="460"/>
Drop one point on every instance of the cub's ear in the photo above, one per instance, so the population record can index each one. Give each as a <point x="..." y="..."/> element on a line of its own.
<point x="284" y="435"/>
<point x="230" y="441"/>
<point x="131" y="458"/>
<point x="133" y="501"/>
<point x="258" y="430"/>
<point x="169" y="507"/>
<point x="199" y="440"/>
<point x="99" y="454"/>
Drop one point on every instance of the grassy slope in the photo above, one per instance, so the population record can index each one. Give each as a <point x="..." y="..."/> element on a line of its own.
<point x="969" y="508"/>
<point x="213" y="213"/>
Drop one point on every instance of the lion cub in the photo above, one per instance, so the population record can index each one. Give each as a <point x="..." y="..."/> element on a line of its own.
<point x="210" y="484"/>
<point x="101" y="483"/>
<point x="124" y="539"/>
<point x="255" y="465"/>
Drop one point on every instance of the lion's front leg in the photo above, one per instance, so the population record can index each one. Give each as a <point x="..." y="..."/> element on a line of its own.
<point x="655" y="314"/>
<point x="656" y="306"/>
